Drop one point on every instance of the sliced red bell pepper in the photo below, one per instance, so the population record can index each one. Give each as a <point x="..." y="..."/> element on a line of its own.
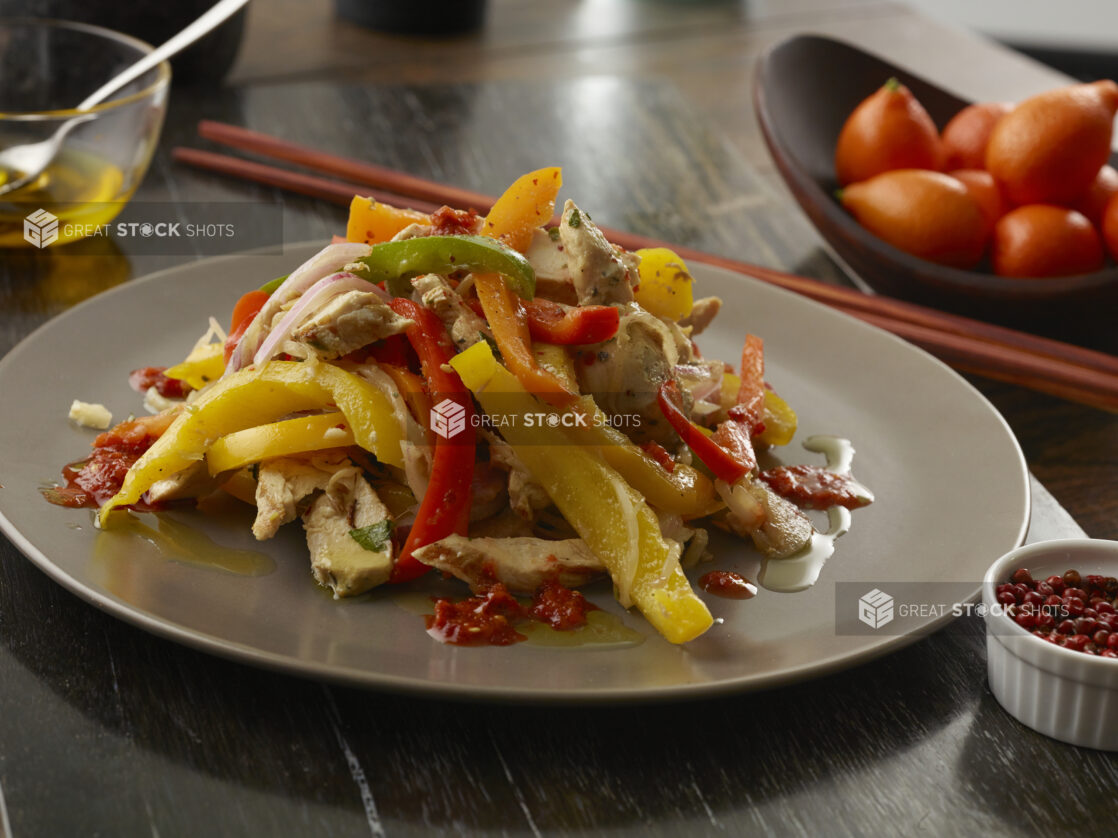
<point x="394" y="350"/>
<point x="750" y="408"/>
<point x="734" y="438"/>
<point x="247" y="308"/>
<point x="244" y="312"/>
<point x="660" y="454"/>
<point x="508" y="322"/>
<point x="552" y="322"/>
<point x="729" y="465"/>
<point x="445" y="508"/>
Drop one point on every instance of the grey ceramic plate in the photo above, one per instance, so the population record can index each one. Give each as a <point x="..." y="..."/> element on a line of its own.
<point x="950" y="481"/>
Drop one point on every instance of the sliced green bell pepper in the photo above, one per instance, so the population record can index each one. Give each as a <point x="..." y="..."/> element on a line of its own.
<point x="397" y="261"/>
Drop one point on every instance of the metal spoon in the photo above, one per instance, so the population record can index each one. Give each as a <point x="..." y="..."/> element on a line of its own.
<point x="32" y="159"/>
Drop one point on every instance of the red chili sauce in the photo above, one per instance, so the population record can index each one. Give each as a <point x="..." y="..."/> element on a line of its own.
<point x="660" y="454"/>
<point x="726" y="583"/>
<point x="453" y="222"/>
<point x="490" y="618"/>
<point x="89" y="483"/>
<point x="812" y="487"/>
<point x="145" y="378"/>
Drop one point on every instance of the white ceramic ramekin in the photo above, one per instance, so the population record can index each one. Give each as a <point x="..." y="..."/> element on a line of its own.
<point x="1068" y="695"/>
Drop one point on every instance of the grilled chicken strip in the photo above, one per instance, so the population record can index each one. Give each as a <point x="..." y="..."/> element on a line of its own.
<point x="283" y="482"/>
<point x="464" y="326"/>
<point x="521" y="564"/>
<point x="600" y="274"/>
<point x="626" y="372"/>
<point x="526" y="495"/>
<point x="702" y="314"/>
<point x="338" y="560"/>
<point x="776" y="525"/>
<point x="192" y="482"/>
<point x="549" y="261"/>
<point x="348" y="322"/>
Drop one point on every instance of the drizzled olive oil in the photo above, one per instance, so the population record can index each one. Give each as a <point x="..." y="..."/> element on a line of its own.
<point x="83" y="190"/>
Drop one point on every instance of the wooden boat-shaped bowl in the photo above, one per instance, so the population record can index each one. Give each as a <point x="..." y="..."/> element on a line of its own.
<point x="805" y="88"/>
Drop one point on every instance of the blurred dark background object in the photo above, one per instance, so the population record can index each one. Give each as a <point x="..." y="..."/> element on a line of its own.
<point x="1079" y="38"/>
<point x="432" y="17"/>
<point x="1083" y="64"/>
<point x="154" y="21"/>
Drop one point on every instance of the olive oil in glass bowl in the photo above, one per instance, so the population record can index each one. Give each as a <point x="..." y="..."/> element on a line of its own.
<point x="47" y="67"/>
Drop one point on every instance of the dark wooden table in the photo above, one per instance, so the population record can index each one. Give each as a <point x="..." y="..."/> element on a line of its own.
<point x="106" y="730"/>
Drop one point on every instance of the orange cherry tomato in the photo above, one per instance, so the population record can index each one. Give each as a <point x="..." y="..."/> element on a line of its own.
<point x="927" y="214"/>
<point x="1109" y="226"/>
<point x="1049" y="149"/>
<point x="966" y="135"/>
<point x="889" y="130"/>
<point x="1093" y="202"/>
<point x="1043" y="240"/>
<point x="985" y="190"/>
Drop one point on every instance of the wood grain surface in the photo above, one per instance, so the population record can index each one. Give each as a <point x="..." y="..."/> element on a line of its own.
<point x="106" y="730"/>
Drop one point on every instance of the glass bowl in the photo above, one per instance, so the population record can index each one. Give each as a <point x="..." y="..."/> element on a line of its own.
<point x="48" y="67"/>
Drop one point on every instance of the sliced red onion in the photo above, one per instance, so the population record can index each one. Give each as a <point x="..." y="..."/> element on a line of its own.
<point x="702" y="380"/>
<point x="318" y="295"/>
<point x="329" y="260"/>
<point x="742" y="502"/>
<point x="706" y="388"/>
<point x="701" y="409"/>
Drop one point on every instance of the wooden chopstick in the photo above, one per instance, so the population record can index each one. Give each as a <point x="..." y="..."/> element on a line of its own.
<point x="888" y="308"/>
<point x="1042" y="364"/>
<point x="1003" y="362"/>
<point x="369" y="174"/>
<point x="337" y="192"/>
<point x="395" y="184"/>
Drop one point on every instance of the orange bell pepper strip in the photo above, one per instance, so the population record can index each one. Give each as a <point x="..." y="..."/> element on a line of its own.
<point x="525" y="206"/>
<point x="372" y="222"/>
<point x="509" y="325"/>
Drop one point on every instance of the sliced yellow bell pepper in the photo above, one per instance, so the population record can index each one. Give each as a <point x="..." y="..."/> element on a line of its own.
<point x="205" y="364"/>
<point x="241" y="485"/>
<point x="557" y="361"/>
<point x="612" y="518"/>
<point x="731" y="386"/>
<point x="279" y="439"/>
<point x="258" y="395"/>
<point x="665" y="286"/>
<point x="372" y="222"/>
<point x="780" y="421"/>
<point x="685" y="491"/>
<point x="526" y="205"/>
